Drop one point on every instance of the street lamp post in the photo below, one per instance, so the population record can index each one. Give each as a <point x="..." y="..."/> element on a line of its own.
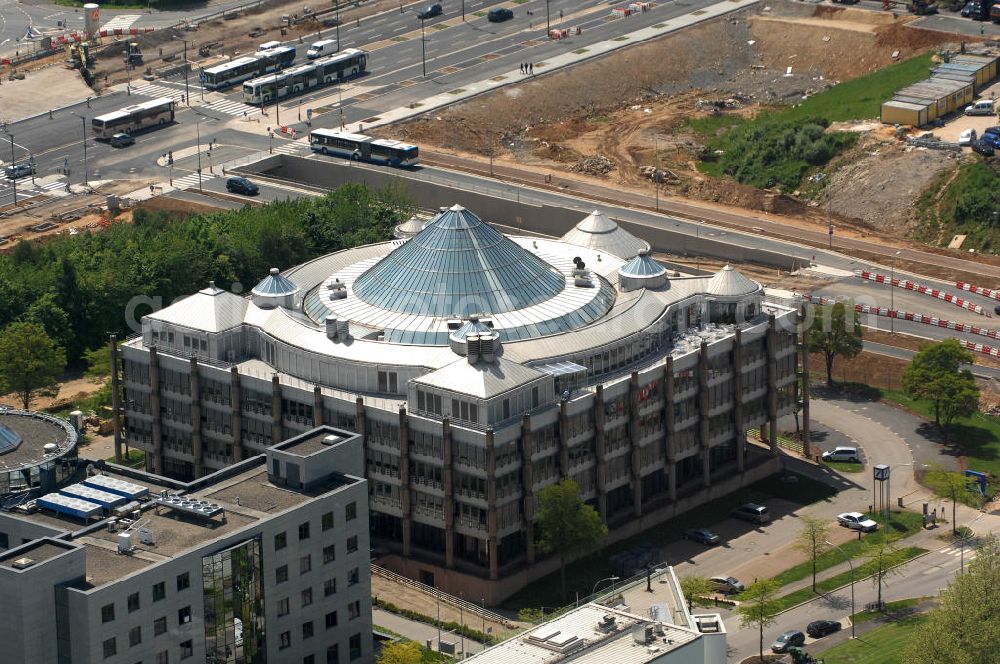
<point x="198" y="130"/>
<point x="656" y="172"/>
<point x="423" y="49"/>
<point x="892" y="296"/>
<point x="277" y="110"/>
<point x="612" y="579"/>
<point x="848" y="559"/>
<point x="13" y="182"/>
<point x="547" y="25"/>
<point x="337" y="21"/>
<point x="83" y="120"/>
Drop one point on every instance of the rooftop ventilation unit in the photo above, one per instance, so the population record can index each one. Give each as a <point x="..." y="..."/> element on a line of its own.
<point x="555" y="640"/>
<point x="331" y="440"/>
<point x="125" y="543"/>
<point x="708" y="625"/>
<point x="642" y="633"/>
<point x="22" y="563"/>
<point x="607" y="623"/>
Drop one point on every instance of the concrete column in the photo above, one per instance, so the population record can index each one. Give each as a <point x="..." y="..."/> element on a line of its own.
<point x="197" y="445"/>
<point x="634" y="448"/>
<point x="491" y="504"/>
<point x="359" y="417"/>
<point x="704" y="402"/>
<point x="670" y="422"/>
<point x="404" y="479"/>
<point x="601" y="475"/>
<point x="528" y="487"/>
<point x="804" y="359"/>
<point x="449" y="494"/>
<point x="154" y="407"/>
<point x="116" y="400"/>
<point x="317" y="406"/>
<point x="772" y="386"/>
<point x="236" y="413"/>
<point x="563" y="440"/>
<point x="276" y="429"/>
<point x="741" y="434"/>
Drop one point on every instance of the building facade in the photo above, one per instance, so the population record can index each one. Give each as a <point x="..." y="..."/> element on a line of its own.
<point x="266" y="561"/>
<point x="478" y="368"/>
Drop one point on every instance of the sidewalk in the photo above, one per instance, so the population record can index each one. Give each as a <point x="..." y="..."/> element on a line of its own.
<point x="422" y="633"/>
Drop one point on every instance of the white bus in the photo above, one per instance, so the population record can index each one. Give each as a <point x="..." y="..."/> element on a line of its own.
<point x="249" y="66"/>
<point x="153" y="113"/>
<point x="350" y="62"/>
<point x="364" y="148"/>
<point x="267" y="46"/>
<point x="321" y="48"/>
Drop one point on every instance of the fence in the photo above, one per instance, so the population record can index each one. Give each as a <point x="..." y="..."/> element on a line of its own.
<point x="457" y="602"/>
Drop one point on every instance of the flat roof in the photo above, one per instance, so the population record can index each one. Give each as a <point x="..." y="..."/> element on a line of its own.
<point x="311" y="444"/>
<point x="36" y="430"/>
<point x="252" y="492"/>
<point x="904" y="105"/>
<point x="38" y="551"/>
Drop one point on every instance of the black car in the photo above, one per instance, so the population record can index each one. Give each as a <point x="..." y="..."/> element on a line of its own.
<point x="983" y="147"/>
<point x="969" y="9"/>
<point x="703" y="535"/>
<point x="122" y="140"/>
<point x="241" y="186"/>
<point x="499" y="14"/>
<point x="430" y="11"/>
<point x="819" y="628"/>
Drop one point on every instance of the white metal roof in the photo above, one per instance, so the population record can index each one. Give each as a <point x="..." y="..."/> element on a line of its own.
<point x="210" y="309"/>
<point x="729" y="282"/>
<point x="600" y="233"/>
<point x="482" y="379"/>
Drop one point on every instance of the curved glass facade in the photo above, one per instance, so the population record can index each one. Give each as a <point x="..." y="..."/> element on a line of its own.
<point x="458" y="266"/>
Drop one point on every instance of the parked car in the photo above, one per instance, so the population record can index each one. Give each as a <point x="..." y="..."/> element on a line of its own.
<point x="727" y="585"/>
<point x="842" y="454"/>
<point x="752" y="512"/>
<point x="703" y="535"/>
<point x="430" y="11"/>
<point x="122" y="140"/>
<point x="241" y="186"/>
<point x="967" y="137"/>
<point x="16" y="171"/>
<point x="820" y="628"/>
<point x="788" y="640"/>
<point x="981" y="107"/>
<point x="996" y="309"/>
<point x="857" y="521"/>
<point x="969" y="9"/>
<point x="983" y="147"/>
<point x="499" y="14"/>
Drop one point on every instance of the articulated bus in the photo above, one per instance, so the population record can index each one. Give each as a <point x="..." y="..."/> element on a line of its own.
<point x="153" y="113"/>
<point x="364" y="148"/>
<point x="249" y="66"/>
<point x="333" y="69"/>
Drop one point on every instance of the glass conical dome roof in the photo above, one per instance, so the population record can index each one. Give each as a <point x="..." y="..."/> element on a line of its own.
<point x="642" y="266"/>
<point x="456" y="266"/>
<point x="274" y="285"/>
<point x="9" y="439"/>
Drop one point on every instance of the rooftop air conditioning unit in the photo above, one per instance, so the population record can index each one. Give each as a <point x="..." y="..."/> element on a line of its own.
<point x="642" y="633"/>
<point x="125" y="543"/>
<point x="22" y="563"/>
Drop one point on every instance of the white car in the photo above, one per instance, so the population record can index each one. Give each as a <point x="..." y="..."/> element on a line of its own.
<point x="857" y="521"/>
<point x="967" y="137"/>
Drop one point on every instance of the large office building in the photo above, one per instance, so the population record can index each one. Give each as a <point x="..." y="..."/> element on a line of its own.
<point x="265" y="561"/>
<point x="478" y="368"/>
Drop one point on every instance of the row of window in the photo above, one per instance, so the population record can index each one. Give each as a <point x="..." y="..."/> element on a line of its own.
<point x="133" y="601"/>
<point x="110" y="645"/>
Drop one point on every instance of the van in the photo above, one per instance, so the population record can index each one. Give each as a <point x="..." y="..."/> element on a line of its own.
<point x="267" y="46"/>
<point x="842" y="454"/>
<point x="753" y="513"/>
<point x="981" y="107"/>
<point x="322" y="47"/>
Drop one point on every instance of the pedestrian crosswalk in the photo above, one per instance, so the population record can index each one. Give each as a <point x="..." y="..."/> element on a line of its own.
<point x="58" y="184"/>
<point x="234" y="108"/>
<point x="157" y="91"/>
<point x="191" y="180"/>
<point x="121" y="22"/>
<point x="957" y="552"/>
<point x="292" y="148"/>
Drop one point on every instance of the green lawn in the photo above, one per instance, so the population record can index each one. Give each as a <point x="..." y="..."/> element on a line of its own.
<point x="581" y="574"/>
<point x="979" y="435"/>
<point x="890" y="607"/>
<point x="883" y="645"/>
<point x="845" y="466"/>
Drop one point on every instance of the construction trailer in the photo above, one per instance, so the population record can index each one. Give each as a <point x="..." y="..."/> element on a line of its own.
<point x="923" y="103"/>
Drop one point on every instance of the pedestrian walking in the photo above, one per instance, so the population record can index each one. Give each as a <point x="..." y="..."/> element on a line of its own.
<point x="522" y="67"/>
<point x="531" y="68"/>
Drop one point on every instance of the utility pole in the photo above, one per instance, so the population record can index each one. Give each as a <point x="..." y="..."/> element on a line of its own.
<point x="277" y="110"/>
<point x="198" y="129"/>
<point x="547" y="25"/>
<point x="423" y="50"/>
<point x="12" y="163"/>
<point x="187" y="89"/>
<point x="128" y="75"/>
<point x="337" y="20"/>
<point x="463" y="11"/>
<point x="656" y="172"/>
<point x="84" y="121"/>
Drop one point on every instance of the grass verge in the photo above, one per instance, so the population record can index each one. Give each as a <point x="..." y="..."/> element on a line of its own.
<point x="581" y="574"/>
<point x="448" y="625"/>
<point x="845" y="466"/>
<point x="832" y="583"/>
<point x="890" y="608"/>
<point x="883" y="645"/>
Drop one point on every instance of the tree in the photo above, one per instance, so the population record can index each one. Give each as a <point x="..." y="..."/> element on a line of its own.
<point x="695" y="586"/>
<point x="949" y="485"/>
<point x="759" y="607"/>
<point x="401" y="652"/>
<point x="566" y="524"/>
<point x="30" y="361"/>
<point x="964" y="626"/>
<point x="46" y="312"/>
<point x="881" y="560"/>
<point x="836" y="330"/>
<point x="812" y="540"/>
<point x="935" y="373"/>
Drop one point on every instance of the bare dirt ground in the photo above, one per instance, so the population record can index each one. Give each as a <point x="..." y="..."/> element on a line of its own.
<point x="39" y="90"/>
<point x="556" y="123"/>
<point x="69" y="391"/>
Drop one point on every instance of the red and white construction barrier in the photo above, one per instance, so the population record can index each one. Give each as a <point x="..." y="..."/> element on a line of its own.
<point x="923" y="290"/>
<point x="980" y="348"/>
<point x="978" y="290"/>
<point x="912" y="317"/>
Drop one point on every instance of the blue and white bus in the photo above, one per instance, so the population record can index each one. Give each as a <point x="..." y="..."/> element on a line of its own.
<point x="364" y="148"/>
<point x="249" y="66"/>
<point x="332" y="69"/>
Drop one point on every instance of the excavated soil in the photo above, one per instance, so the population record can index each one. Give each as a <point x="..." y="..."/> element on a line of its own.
<point x="597" y="123"/>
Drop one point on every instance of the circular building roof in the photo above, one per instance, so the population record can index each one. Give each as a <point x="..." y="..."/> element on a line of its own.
<point x="275" y="285"/>
<point x="642" y="266"/>
<point x="599" y="233"/>
<point x="456" y="266"/>
<point x="25" y="435"/>
<point x="728" y="282"/>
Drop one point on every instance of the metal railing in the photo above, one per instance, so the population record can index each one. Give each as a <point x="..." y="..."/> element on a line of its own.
<point x="456" y="602"/>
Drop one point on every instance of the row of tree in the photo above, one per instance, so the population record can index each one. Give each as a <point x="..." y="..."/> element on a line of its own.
<point x="62" y="297"/>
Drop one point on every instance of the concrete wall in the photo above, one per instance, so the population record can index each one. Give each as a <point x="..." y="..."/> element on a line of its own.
<point x="548" y="220"/>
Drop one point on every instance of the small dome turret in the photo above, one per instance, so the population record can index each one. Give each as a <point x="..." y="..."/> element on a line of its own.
<point x="275" y="290"/>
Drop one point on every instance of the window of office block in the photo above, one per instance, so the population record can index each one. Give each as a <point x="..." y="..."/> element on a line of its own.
<point x="184" y="615"/>
<point x="353" y="577"/>
<point x="305" y="564"/>
<point x="331" y="620"/>
<point x="159" y="591"/>
<point x="187" y="649"/>
<point x="110" y="648"/>
<point x="160" y="626"/>
<point x="328" y="521"/>
<point x="355" y="646"/>
<point x="133" y="602"/>
<point x="107" y="613"/>
<point x="351" y="511"/>
<point x="281" y="574"/>
<point x="134" y="636"/>
<point x="352" y="543"/>
<point x="307" y="630"/>
<point x="329" y="587"/>
<point x="183" y="581"/>
<point x="304" y="531"/>
<point x="283" y="607"/>
<point x="329" y="553"/>
<point x="284" y="640"/>
<point x="280" y="541"/>
<point x="307" y="597"/>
